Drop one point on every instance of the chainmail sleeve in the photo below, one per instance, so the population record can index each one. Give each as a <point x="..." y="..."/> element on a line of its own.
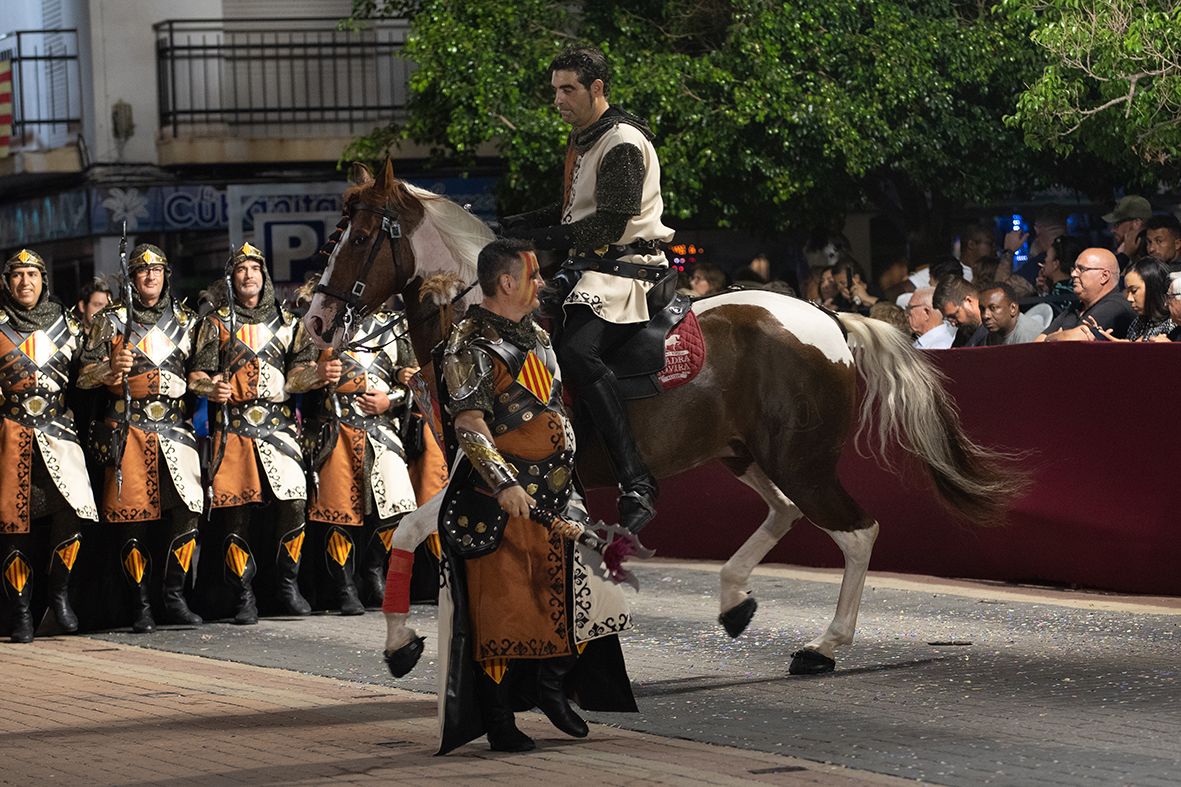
<point x="467" y="372"/>
<point x="619" y="191"/>
<point x="206" y="357"/>
<point x="94" y="362"/>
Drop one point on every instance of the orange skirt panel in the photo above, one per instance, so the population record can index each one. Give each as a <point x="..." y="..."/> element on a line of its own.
<point x="237" y="482"/>
<point x="16" y="451"/>
<point x="340" y="500"/>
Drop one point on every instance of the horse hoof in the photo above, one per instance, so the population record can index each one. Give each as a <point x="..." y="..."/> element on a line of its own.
<point x="402" y="660"/>
<point x="810" y="662"/>
<point x="737" y="618"/>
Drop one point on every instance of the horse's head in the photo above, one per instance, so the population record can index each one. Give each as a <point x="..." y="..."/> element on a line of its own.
<point x="373" y="257"/>
<point x="393" y="233"/>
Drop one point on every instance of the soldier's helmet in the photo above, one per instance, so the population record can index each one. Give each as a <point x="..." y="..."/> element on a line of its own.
<point x="146" y="254"/>
<point x="25" y="258"/>
<point x="248" y="251"/>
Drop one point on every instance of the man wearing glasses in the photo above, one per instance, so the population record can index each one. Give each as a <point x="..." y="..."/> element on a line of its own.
<point x="1095" y="279"/>
<point x="927" y="323"/>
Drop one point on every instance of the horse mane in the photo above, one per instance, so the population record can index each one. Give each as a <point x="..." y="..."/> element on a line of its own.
<point x="463" y="233"/>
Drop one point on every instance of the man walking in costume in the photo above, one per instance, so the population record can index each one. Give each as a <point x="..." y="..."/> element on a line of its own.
<point x="248" y="376"/>
<point x="149" y="450"/>
<point x="519" y="602"/>
<point x="609" y="220"/>
<point x="362" y="485"/>
<point x="45" y="472"/>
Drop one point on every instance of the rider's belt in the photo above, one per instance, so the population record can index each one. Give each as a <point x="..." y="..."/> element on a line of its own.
<point x="517" y="406"/>
<point x="256" y="419"/>
<point x="152" y="413"/>
<point x="629" y="270"/>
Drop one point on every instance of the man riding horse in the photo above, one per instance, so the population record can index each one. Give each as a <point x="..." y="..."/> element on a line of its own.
<point x="610" y="222"/>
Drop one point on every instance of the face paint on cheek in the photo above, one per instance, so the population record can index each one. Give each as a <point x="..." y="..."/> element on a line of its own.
<point x="532" y="268"/>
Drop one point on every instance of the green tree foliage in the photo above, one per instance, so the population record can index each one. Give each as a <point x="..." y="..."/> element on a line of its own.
<point x="770" y="116"/>
<point x="1112" y="85"/>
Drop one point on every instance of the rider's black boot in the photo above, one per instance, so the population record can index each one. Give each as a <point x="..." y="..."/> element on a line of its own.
<point x="341" y="557"/>
<point x="287" y="573"/>
<point x="18" y="586"/>
<point x="551" y="695"/>
<point x="178" y="562"/>
<point x="637" y="503"/>
<point x="61" y="567"/>
<point x="499" y="724"/>
<point x="137" y="568"/>
<point x="240" y="571"/>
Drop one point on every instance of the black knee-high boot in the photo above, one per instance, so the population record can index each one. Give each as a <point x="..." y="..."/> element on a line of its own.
<point x="637" y="501"/>
<point x="551" y="695"/>
<point x="376" y="562"/>
<point x="61" y="568"/>
<point x="240" y="571"/>
<point x="287" y="573"/>
<point x="137" y="568"/>
<point x="176" y="570"/>
<point x="340" y="554"/>
<point x="497" y="714"/>
<point x="18" y="586"/>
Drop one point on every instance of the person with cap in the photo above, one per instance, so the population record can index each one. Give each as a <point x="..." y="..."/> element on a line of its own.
<point x="46" y="471"/>
<point x="148" y="450"/>
<point x="249" y="363"/>
<point x="362" y="483"/>
<point x="1127" y="222"/>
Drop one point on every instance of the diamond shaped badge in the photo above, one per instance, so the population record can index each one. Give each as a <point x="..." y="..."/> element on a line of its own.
<point x="38" y="347"/>
<point x="156" y="345"/>
<point x="255" y="336"/>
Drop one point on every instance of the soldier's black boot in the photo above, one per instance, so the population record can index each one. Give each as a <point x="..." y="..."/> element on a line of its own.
<point x="240" y="572"/>
<point x="340" y="554"/>
<point x="176" y="571"/>
<point x="637" y="503"/>
<point x="497" y="714"/>
<point x="137" y="568"/>
<point x="61" y="567"/>
<point x="551" y="695"/>
<point x="376" y="563"/>
<point x="18" y="586"/>
<point x="287" y="573"/>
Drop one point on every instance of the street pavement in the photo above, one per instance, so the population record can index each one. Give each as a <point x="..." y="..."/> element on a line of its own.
<point x="948" y="682"/>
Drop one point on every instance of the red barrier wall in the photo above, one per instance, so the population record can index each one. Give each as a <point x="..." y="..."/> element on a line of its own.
<point x="1101" y="425"/>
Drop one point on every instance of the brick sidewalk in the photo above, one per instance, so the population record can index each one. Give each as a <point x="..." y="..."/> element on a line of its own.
<point x="83" y="711"/>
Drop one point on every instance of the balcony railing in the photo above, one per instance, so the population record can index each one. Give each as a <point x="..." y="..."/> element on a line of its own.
<point x="46" y="86"/>
<point x="278" y="77"/>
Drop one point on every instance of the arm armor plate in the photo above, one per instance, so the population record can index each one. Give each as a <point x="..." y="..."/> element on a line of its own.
<point x="466" y="371"/>
<point x="487" y="461"/>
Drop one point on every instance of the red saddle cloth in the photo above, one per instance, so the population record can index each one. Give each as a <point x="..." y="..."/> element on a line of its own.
<point x="684" y="353"/>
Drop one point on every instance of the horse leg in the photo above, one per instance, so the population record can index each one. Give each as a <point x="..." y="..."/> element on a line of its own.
<point x="737" y="604"/>
<point x="835" y="512"/>
<point x="403" y="646"/>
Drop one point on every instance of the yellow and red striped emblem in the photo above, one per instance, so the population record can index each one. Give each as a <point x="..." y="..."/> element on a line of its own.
<point x="156" y="345"/>
<point x="339" y="547"/>
<point x="38" y="347"/>
<point x="68" y="553"/>
<point x="294" y="547"/>
<point x="236" y="559"/>
<point x="495" y="668"/>
<point x="255" y="335"/>
<point x="136" y="564"/>
<point x="17" y="573"/>
<point x="184" y="554"/>
<point x="535" y="378"/>
<point x="387" y="537"/>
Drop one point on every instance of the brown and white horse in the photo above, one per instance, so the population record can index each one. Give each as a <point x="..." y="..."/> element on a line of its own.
<point x="775" y="402"/>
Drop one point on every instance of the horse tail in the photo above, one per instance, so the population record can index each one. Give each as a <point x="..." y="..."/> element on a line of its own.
<point x="913" y="409"/>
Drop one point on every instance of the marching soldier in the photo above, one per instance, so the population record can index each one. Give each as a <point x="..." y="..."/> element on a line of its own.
<point x="141" y="351"/>
<point x="45" y="470"/>
<point x="363" y="485"/>
<point x="250" y="359"/>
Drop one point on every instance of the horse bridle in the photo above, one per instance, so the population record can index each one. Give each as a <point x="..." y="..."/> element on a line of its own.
<point x="354" y="310"/>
